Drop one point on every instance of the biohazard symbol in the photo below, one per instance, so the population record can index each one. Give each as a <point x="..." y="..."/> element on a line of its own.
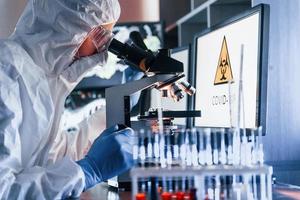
<point x="224" y="71"/>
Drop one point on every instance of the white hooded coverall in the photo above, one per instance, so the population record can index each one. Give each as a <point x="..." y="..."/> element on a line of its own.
<point x="36" y="75"/>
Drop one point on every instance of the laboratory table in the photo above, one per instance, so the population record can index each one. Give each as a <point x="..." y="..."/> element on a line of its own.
<point x="103" y="192"/>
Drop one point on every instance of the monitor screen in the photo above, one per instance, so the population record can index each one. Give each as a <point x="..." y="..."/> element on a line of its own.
<point x="182" y="55"/>
<point x="219" y="60"/>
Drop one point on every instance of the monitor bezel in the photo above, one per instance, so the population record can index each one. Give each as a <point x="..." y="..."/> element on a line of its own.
<point x="262" y="64"/>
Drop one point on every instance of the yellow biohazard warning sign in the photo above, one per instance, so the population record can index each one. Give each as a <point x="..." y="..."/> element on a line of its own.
<point x="224" y="71"/>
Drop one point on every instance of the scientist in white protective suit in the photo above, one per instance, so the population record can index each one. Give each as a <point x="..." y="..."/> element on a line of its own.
<point x="54" y="44"/>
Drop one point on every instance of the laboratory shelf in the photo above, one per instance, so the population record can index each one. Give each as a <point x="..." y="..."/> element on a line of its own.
<point x="207" y="13"/>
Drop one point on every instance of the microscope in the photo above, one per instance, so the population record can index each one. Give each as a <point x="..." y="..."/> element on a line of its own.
<point x="161" y="72"/>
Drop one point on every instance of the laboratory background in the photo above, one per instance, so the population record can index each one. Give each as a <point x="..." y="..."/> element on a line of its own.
<point x="217" y="113"/>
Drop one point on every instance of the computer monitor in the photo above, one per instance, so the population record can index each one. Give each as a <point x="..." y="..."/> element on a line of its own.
<point x="218" y="57"/>
<point x="181" y="54"/>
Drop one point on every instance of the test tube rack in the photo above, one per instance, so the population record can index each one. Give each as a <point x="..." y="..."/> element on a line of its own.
<point x="214" y="161"/>
<point x="263" y="174"/>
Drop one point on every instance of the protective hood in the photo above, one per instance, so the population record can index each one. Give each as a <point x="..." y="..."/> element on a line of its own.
<point x="51" y="31"/>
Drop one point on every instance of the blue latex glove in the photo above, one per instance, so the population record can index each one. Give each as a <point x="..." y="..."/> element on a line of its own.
<point x="110" y="155"/>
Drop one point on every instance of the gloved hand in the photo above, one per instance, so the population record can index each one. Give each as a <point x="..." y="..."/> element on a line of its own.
<point x="110" y="155"/>
<point x="101" y="38"/>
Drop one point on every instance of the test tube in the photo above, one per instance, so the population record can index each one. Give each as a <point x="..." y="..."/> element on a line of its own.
<point x="188" y="148"/>
<point x="149" y="146"/>
<point x="153" y="188"/>
<point x="260" y="147"/>
<point x="244" y="150"/>
<point x="162" y="157"/>
<point x="194" y="147"/>
<point x="237" y="192"/>
<point x="135" y="150"/>
<point x="217" y="189"/>
<point x="263" y="187"/>
<point x="249" y="153"/>
<point x="215" y="148"/>
<point x="223" y="190"/>
<point x="223" y="159"/>
<point x="180" y="190"/>
<point x="210" y="190"/>
<point x="182" y="148"/>
<point x="165" y="195"/>
<point x="190" y="190"/>
<point x="201" y="155"/>
<point x="141" y="195"/>
<point x="208" y="149"/>
<point x="236" y="147"/>
<point x="193" y="189"/>
<point x="247" y="187"/>
<point x="253" y="151"/>
<point x="142" y="149"/>
<point x="254" y="182"/>
<point x="169" y="150"/>
<point x="156" y="148"/>
<point x="176" y="148"/>
<point x="230" y="147"/>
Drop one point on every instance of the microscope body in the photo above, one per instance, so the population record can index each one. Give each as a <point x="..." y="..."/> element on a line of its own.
<point x="161" y="71"/>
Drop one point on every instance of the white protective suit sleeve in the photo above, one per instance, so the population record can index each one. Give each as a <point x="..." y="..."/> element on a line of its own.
<point x="19" y="178"/>
<point x="37" y="73"/>
<point x="78" y="130"/>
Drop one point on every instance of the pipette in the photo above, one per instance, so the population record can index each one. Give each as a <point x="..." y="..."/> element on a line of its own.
<point x="242" y="109"/>
<point x="238" y="158"/>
